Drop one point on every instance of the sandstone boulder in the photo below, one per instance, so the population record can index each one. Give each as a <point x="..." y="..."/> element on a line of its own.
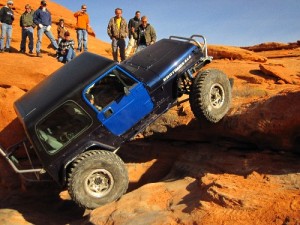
<point x="233" y="53"/>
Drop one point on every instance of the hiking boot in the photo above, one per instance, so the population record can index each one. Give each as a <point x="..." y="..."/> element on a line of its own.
<point x="38" y="54"/>
<point x="30" y="52"/>
<point x="1" y="50"/>
<point x="22" y="51"/>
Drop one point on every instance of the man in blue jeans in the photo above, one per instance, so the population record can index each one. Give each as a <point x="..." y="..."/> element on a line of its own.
<point x="42" y="18"/>
<point x="82" y="26"/>
<point x="117" y="30"/>
<point x="66" y="51"/>
<point x="6" y="20"/>
<point x="27" y="24"/>
<point x="145" y="34"/>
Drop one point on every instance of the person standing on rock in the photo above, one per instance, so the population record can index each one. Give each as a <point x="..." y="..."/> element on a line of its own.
<point x="6" y="20"/>
<point x="145" y="34"/>
<point x="82" y="26"/>
<point x="133" y="24"/>
<point x="42" y="18"/>
<point x="117" y="30"/>
<point x="27" y="24"/>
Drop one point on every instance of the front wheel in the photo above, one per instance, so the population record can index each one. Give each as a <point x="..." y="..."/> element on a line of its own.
<point x="96" y="178"/>
<point x="210" y="96"/>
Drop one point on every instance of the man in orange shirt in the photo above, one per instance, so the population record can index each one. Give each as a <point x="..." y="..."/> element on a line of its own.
<point x="82" y="27"/>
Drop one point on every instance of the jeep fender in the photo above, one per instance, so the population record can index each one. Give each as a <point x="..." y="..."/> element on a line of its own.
<point x="87" y="147"/>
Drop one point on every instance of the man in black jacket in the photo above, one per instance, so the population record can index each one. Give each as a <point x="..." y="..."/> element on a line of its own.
<point x="6" y="20"/>
<point x="133" y="24"/>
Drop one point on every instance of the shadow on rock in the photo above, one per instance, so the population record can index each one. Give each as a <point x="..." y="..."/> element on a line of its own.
<point x="40" y="204"/>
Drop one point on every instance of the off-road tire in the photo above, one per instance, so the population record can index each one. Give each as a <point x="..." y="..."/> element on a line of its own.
<point x="96" y="178"/>
<point x="210" y="95"/>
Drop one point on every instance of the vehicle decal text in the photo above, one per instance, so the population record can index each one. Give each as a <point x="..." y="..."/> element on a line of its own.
<point x="177" y="68"/>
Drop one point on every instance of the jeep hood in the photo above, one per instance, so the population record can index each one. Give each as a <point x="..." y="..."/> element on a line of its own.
<point x="155" y="62"/>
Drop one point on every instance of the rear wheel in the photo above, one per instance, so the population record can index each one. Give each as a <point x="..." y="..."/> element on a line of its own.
<point x="210" y="96"/>
<point x="96" y="178"/>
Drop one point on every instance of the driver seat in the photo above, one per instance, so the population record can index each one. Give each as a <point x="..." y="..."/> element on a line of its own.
<point x="51" y="141"/>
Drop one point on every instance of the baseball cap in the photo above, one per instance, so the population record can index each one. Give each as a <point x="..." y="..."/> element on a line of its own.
<point x="10" y="2"/>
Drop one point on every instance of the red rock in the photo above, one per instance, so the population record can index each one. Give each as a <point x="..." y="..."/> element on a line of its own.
<point x="278" y="71"/>
<point x="233" y="53"/>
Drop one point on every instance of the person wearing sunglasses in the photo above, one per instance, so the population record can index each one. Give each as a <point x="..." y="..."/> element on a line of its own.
<point x="145" y="34"/>
<point x="6" y="20"/>
<point x="82" y="26"/>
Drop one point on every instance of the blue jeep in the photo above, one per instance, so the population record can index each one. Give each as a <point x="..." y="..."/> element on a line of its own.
<point x="78" y="117"/>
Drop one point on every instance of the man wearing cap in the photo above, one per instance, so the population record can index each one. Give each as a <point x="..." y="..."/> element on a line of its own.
<point x="6" y="20"/>
<point x="27" y="24"/>
<point x="42" y="18"/>
<point x="66" y="51"/>
<point x="82" y="27"/>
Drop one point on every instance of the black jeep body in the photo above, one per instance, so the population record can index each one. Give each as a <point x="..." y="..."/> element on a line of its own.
<point x="85" y="110"/>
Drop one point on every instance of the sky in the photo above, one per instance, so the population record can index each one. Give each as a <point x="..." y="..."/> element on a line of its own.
<point x="222" y="22"/>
